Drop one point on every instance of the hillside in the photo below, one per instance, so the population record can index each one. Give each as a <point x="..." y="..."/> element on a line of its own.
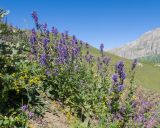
<point x="146" y="45"/>
<point x="51" y="79"/>
<point x="144" y="72"/>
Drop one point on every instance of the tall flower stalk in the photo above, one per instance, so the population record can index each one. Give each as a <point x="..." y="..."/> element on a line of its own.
<point x="117" y="88"/>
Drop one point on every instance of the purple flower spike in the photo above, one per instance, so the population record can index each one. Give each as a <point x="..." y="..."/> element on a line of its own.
<point x="33" y="37"/>
<point x="53" y="28"/>
<point x="43" y="60"/>
<point x="81" y="43"/>
<point x="106" y="60"/>
<point x="54" y="31"/>
<point x="33" y="31"/>
<point x="134" y="63"/>
<point x="32" y="40"/>
<point x="44" y="26"/>
<point x="66" y="34"/>
<point x="24" y="108"/>
<point x="74" y="52"/>
<point x="120" y="66"/>
<point x="45" y="42"/>
<point x="30" y="115"/>
<point x="74" y="37"/>
<point x="120" y="70"/>
<point x="47" y="33"/>
<point x="120" y="87"/>
<point x="115" y="78"/>
<point x="102" y="47"/>
<point x="123" y="75"/>
<point x="63" y="36"/>
<point x="35" y="17"/>
<point x="89" y="58"/>
<point x="87" y="45"/>
<point x="48" y="73"/>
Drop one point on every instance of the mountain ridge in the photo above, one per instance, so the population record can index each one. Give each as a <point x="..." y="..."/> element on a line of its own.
<point x="146" y="45"/>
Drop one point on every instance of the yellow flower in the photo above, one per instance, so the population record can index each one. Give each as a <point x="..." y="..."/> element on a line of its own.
<point x="21" y="78"/>
<point x="13" y="74"/>
<point x="17" y="91"/>
<point x="134" y="97"/>
<point x="35" y="80"/>
<point x="16" y="82"/>
<point x="1" y="75"/>
<point x="68" y="115"/>
<point x="25" y="71"/>
<point x="31" y="81"/>
<point x="25" y="76"/>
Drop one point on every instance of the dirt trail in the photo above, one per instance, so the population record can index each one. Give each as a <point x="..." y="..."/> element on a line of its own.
<point x="53" y="118"/>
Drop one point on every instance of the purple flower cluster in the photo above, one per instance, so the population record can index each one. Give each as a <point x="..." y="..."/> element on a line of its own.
<point x="134" y="63"/>
<point x="89" y="58"/>
<point x="74" y="40"/>
<point x="35" y="17"/>
<point x="48" y="72"/>
<point x="106" y="60"/>
<point x="45" y="42"/>
<point x="66" y="35"/>
<point x="116" y="89"/>
<point x="120" y="70"/>
<point x="30" y="115"/>
<point x="54" y="31"/>
<point x="87" y="45"/>
<point x="75" y="52"/>
<point x="62" y="51"/>
<point x="44" y="26"/>
<point x="115" y="78"/>
<point x="101" y="48"/>
<point x="120" y="87"/>
<point x="32" y="43"/>
<point x="144" y="105"/>
<point x="25" y="109"/>
<point x="33" y="37"/>
<point x="43" y="59"/>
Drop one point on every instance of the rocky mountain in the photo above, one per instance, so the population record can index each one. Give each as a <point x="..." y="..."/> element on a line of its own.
<point x="146" y="45"/>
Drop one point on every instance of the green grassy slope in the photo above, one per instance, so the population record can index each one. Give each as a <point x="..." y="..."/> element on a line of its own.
<point x="147" y="75"/>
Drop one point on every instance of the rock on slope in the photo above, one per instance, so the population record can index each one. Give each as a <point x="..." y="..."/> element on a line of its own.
<point x="148" y="44"/>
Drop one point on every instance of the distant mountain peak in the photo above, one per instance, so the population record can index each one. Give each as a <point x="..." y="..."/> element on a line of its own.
<point x="146" y="45"/>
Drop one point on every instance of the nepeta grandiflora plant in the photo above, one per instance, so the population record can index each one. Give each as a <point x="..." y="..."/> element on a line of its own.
<point x="118" y="86"/>
<point x="61" y="58"/>
<point x="69" y="72"/>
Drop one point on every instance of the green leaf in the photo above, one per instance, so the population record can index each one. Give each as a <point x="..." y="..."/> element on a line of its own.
<point x="1" y="122"/>
<point x="6" y="121"/>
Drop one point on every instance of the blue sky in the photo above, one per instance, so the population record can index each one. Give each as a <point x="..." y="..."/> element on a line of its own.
<point x="112" y="22"/>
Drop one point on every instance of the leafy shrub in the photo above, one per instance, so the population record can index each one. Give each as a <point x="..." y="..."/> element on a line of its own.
<point x="20" y="81"/>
